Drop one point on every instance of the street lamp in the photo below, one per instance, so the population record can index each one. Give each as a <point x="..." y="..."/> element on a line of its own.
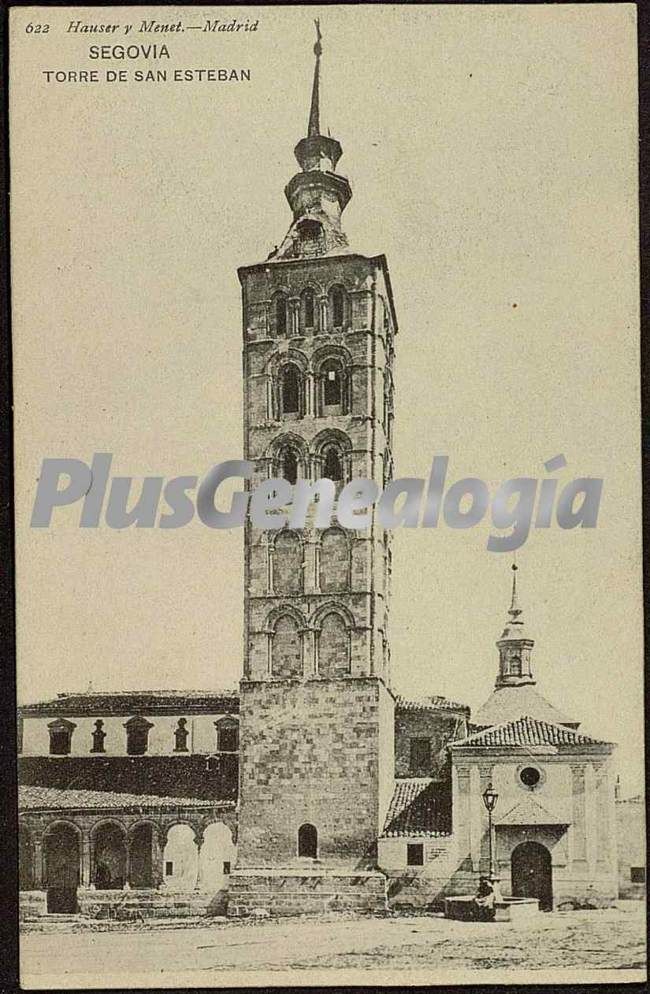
<point x="490" y="798"/>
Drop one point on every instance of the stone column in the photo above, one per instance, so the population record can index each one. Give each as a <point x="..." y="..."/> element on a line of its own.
<point x="270" y="401"/>
<point x="198" y="841"/>
<point x="311" y="562"/>
<point x="127" y="867"/>
<point x="38" y="867"/>
<point x="85" y="858"/>
<point x="461" y="812"/>
<point x="578" y="829"/>
<point x="156" y="859"/>
<point x="161" y="841"/>
<point x="310" y="397"/>
<point x="294" y="317"/>
<point x="309" y="652"/>
<point x="322" y="308"/>
<point x="270" y="553"/>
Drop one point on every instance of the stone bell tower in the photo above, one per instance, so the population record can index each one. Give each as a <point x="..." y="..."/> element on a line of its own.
<point x="316" y="712"/>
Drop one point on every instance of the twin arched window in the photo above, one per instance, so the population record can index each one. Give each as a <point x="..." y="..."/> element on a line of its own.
<point x="289" y="390"/>
<point x="333" y="652"/>
<point x="307" y="317"/>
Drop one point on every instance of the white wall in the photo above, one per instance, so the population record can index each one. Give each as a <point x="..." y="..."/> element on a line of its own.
<point x="202" y="736"/>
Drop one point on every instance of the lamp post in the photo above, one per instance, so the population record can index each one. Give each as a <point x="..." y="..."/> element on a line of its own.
<point x="490" y="798"/>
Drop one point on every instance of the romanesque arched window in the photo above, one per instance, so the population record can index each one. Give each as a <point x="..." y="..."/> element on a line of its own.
<point x="287" y="569"/>
<point x="332" y="383"/>
<point x="338" y="306"/>
<point x="290" y="389"/>
<point x="280" y="315"/>
<point x="332" y="463"/>
<point x="286" y="648"/>
<point x="333" y="646"/>
<point x="308" y="841"/>
<point x="333" y="561"/>
<point x="308" y="308"/>
<point x="332" y="456"/>
<point x="288" y="457"/>
<point x="333" y="387"/>
<point x="289" y="465"/>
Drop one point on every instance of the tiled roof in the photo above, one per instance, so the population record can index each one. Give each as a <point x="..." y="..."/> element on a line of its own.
<point x="421" y="807"/>
<point x="527" y="731"/>
<point x="509" y="703"/>
<point x="50" y="798"/>
<point x="430" y="704"/>
<point x="128" y="702"/>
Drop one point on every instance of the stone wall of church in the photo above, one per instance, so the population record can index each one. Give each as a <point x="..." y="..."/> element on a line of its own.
<point x="275" y="894"/>
<point x="311" y="754"/>
<point x="437" y="727"/>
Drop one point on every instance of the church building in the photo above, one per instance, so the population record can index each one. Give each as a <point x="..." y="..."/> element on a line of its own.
<point x="316" y="787"/>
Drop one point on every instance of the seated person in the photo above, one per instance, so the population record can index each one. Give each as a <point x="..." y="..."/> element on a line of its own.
<point x="486" y="897"/>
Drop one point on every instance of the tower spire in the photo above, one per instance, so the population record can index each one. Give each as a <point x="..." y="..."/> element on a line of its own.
<point x="317" y="195"/>
<point x="514" y="610"/>
<point x="313" y="128"/>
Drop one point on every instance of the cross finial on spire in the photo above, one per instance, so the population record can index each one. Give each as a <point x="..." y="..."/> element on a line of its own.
<point x="314" y="112"/>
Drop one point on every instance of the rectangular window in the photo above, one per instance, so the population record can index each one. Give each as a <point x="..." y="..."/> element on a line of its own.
<point x="415" y="854"/>
<point x="226" y="866"/>
<point x="169" y="869"/>
<point x="228" y="739"/>
<point x="637" y="874"/>
<point x="59" y="742"/>
<point x="421" y="756"/>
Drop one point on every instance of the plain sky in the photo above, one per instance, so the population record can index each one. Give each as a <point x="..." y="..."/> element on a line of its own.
<point x="492" y="153"/>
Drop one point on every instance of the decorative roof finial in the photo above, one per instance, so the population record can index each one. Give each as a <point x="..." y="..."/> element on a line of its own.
<point x="515" y="610"/>
<point x="314" y="112"/>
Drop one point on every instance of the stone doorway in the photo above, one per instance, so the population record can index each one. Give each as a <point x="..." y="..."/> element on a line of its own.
<point x="62" y="869"/>
<point x="532" y="873"/>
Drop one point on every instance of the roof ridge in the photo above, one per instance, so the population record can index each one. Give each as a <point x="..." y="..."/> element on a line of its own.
<point x="565" y="735"/>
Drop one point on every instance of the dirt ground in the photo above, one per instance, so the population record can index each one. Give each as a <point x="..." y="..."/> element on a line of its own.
<point x="575" y="944"/>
